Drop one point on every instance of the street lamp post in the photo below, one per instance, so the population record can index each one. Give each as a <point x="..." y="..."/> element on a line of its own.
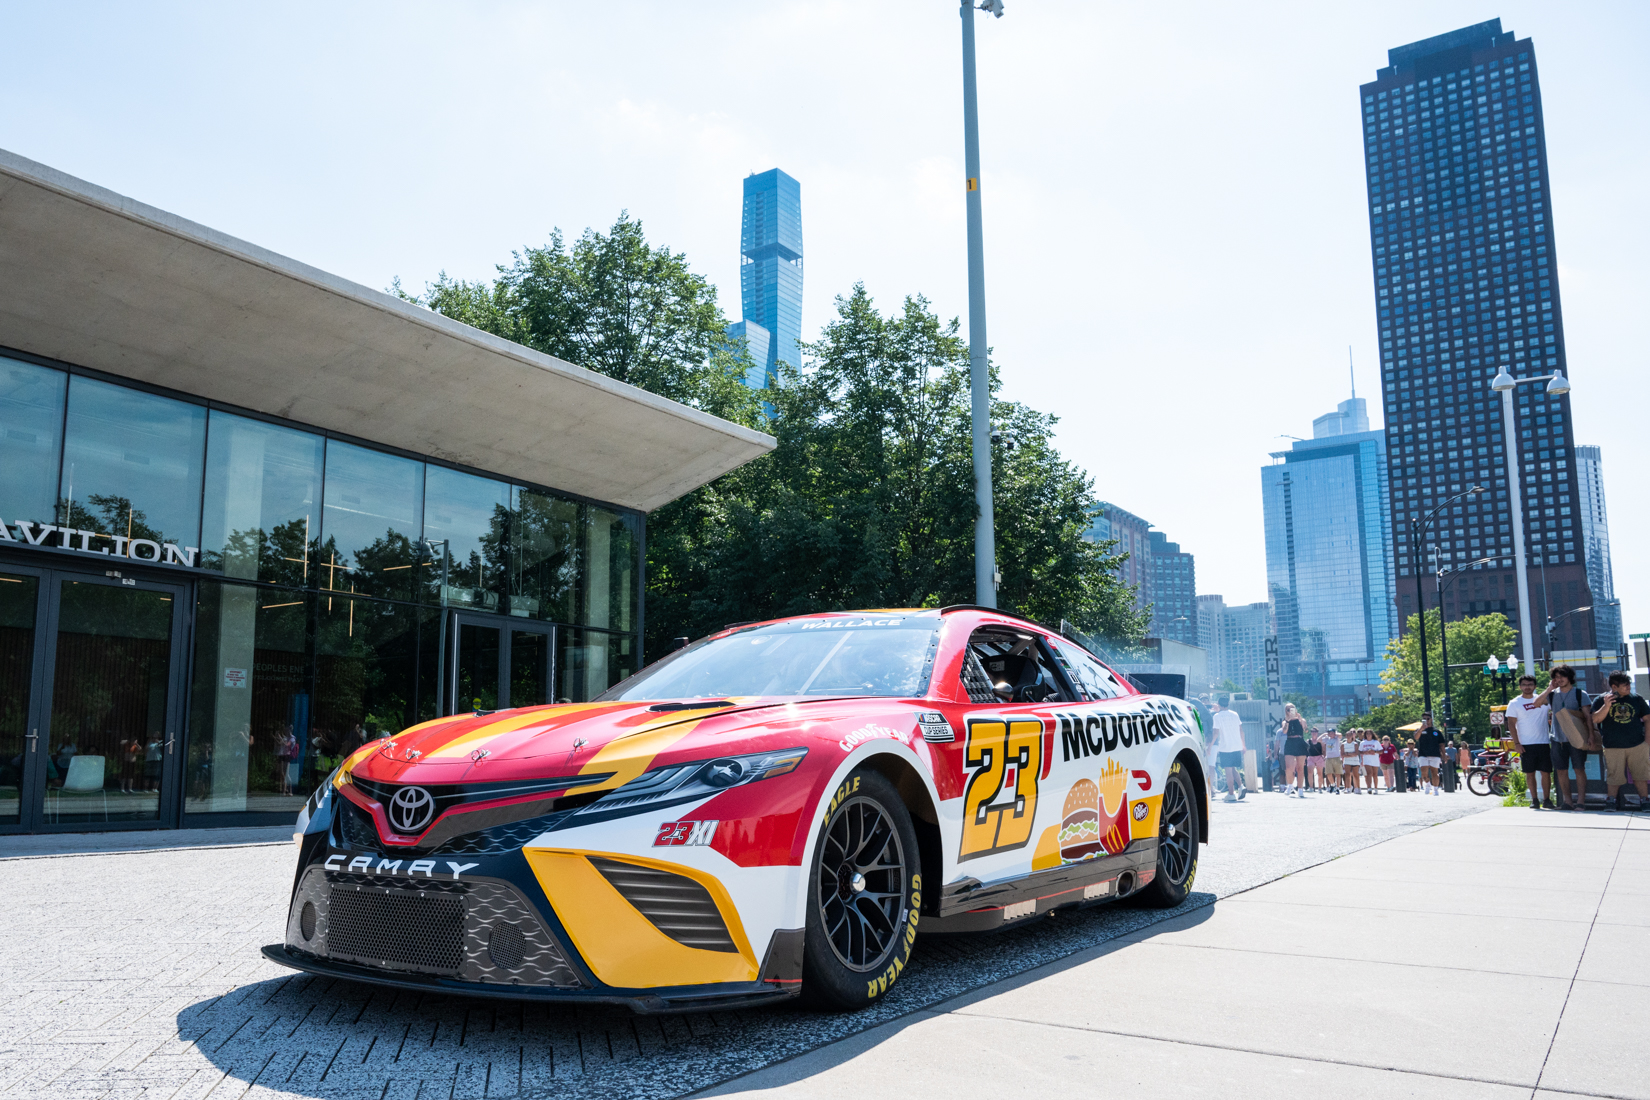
<point x="1552" y="625"/>
<point x="1443" y="635"/>
<point x="1416" y="526"/>
<point x="985" y="541"/>
<point x="1504" y="384"/>
<point x="1502" y="673"/>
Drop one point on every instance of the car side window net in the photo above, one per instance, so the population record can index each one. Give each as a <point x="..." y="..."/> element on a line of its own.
<point x="1093" y="679"/>
<point x="1015" y="666"/>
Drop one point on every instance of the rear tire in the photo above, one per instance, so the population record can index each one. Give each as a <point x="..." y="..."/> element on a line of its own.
<point x="864" y="890"/>
<point x="1177" y="832"/>
<point x="1478" y="784"/>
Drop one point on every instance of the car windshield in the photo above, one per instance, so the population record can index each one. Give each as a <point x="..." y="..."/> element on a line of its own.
<point x="875" y="655"/>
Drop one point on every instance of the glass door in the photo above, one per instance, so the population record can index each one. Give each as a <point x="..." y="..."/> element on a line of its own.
<point x="20" y="642"/>
<point x="108" y="744"/>
<point x="498" y="662"/>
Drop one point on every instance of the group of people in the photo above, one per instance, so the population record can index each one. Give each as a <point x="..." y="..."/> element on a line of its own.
<point x="1333" y="762"/>
<point x="1558" y="729"/>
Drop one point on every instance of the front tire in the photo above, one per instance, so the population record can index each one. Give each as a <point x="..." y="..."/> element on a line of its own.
<point x="864" y="889"/>
<point x="1177" y="831"/>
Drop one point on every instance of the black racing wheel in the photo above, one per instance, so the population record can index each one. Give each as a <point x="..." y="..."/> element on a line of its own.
<point x="1177" y="830"/>
<point x="864" y="888"/>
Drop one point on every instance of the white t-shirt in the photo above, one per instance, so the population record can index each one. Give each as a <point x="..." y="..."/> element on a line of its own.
<point x="1369" y="747"/>
<point x="1532" y="720"/>
<point x="1229" y="731"/>
<point x="1332" y="747"/>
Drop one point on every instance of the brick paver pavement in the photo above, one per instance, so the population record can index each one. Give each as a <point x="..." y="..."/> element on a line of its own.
<point x="138" y="975"/>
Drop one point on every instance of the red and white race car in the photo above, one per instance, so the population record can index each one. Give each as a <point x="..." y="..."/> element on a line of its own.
<point x="778" y="809"/>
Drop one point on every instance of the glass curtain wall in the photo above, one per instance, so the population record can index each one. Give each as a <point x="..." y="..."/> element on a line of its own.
<point x="324" y="570"/>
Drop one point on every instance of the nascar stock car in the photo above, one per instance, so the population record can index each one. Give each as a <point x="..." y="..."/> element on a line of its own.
<point x="779" y="809"/>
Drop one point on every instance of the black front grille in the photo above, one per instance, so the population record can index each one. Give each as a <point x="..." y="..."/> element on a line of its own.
<point x="355" y="826"/>
<point x="397" y="929"/>
<point x="674" y="904"/>
<point x="500" y="838"/>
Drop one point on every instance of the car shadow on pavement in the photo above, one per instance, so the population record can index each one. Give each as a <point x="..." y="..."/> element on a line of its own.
<point x="313" y="1036"/>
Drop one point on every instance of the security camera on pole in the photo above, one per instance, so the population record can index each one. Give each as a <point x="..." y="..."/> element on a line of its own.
<point x="986" y="576"/>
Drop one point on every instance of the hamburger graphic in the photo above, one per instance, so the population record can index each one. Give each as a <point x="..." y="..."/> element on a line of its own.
<point x="1080" y="828"/>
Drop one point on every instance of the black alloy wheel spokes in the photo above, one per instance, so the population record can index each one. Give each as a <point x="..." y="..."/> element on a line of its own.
<point x="861" y="884"/>
<point x="1174" y="834"/>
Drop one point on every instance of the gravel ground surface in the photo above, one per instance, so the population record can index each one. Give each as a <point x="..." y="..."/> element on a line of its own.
<point x="138" y="974"/>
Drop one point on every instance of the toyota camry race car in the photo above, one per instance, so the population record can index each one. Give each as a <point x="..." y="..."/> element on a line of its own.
<point x="779" y="809"/>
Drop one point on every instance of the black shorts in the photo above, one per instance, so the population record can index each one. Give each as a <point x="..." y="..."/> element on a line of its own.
<point x="1537" y="758"/>
<point x="1231" y="759"/>
<point x="1564" y="754"/>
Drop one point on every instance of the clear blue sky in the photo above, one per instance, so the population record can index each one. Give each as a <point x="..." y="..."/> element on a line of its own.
<point x="1176" y="246"/>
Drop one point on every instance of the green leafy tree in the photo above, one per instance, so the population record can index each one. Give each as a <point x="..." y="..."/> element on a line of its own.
<point x="613" y="304"/>
<point x="868" y="501"/>
<point x="1471" y="641"/>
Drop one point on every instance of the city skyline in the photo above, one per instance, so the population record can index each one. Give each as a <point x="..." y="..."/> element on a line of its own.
<point x="1280" y="207"/>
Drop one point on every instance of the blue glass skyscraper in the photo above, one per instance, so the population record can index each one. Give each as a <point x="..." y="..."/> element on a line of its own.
<point x="770" y="273"/>
<point x="1329" y="557"/>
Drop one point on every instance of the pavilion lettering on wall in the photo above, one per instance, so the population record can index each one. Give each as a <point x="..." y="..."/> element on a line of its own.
<point x="29" y="533"/>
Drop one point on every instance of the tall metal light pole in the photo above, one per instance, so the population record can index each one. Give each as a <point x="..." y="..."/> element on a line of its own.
<point x="985" y="538"/>
<point x="1504" y="383"/>
<point x="1416" y="527"/>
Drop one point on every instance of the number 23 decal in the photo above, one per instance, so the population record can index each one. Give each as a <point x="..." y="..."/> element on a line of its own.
<point x="1000" y="801"/>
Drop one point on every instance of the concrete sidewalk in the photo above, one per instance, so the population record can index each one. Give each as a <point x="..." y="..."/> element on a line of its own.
<point x="1505" y="954"/>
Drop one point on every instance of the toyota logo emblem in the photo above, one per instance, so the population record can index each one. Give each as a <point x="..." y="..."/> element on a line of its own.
<point x="411" y="810"/>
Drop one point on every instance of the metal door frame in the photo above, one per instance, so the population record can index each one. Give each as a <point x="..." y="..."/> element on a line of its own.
<point x="33" y="798"/>
<point x="454" y="621"/>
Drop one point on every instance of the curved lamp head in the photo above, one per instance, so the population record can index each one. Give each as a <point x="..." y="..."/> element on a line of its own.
<point x="1502" y="381"/>
<point x="1558" y="384"/>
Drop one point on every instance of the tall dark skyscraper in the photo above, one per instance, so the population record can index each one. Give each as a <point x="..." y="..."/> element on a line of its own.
<point x="1461" y="221"/>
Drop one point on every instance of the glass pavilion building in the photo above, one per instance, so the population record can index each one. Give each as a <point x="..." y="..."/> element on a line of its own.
<point x="253" y="516"/>
<point x="1329" y="558"/>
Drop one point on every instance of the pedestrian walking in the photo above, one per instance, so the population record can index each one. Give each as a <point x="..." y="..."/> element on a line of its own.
<point x="1623" y="721"/>
<point x="1387" y="754"/>
<point x="1229" y="743"/>
<point x="1429" y="750"/>
<point x="1572" y="720"/>
<point x="1314" y="760"/>
<point x="1529" y="719"/>
<point x="1411" y="760"/>
<point x="1294" y="751"/>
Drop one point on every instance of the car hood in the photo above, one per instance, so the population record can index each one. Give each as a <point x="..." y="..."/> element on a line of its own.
<point x="604" y="744"/>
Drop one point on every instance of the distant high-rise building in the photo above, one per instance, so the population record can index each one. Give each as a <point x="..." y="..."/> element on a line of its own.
<point x="1328" y="557"/>
<point x="1164" y="577"/>
<point x="1466" y="282"/>
<point x="1235" y="639"/>
<point x="1174" y="591"/>
<point x="1595" y="536"/>
<point x="770" y="273"/>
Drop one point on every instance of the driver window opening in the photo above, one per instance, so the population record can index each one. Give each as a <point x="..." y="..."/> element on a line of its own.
<point x="1011" y="667"/>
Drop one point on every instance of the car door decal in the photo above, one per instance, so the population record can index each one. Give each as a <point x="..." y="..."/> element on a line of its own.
<point x="1000" y="800"/>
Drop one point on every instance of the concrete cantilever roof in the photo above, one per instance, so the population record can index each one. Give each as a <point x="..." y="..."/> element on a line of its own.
<point x="93" y="278"/>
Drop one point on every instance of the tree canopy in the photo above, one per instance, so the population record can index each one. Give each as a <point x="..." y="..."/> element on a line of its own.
<point x="1471" y="641"/>
<point x="868" y="500"/>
